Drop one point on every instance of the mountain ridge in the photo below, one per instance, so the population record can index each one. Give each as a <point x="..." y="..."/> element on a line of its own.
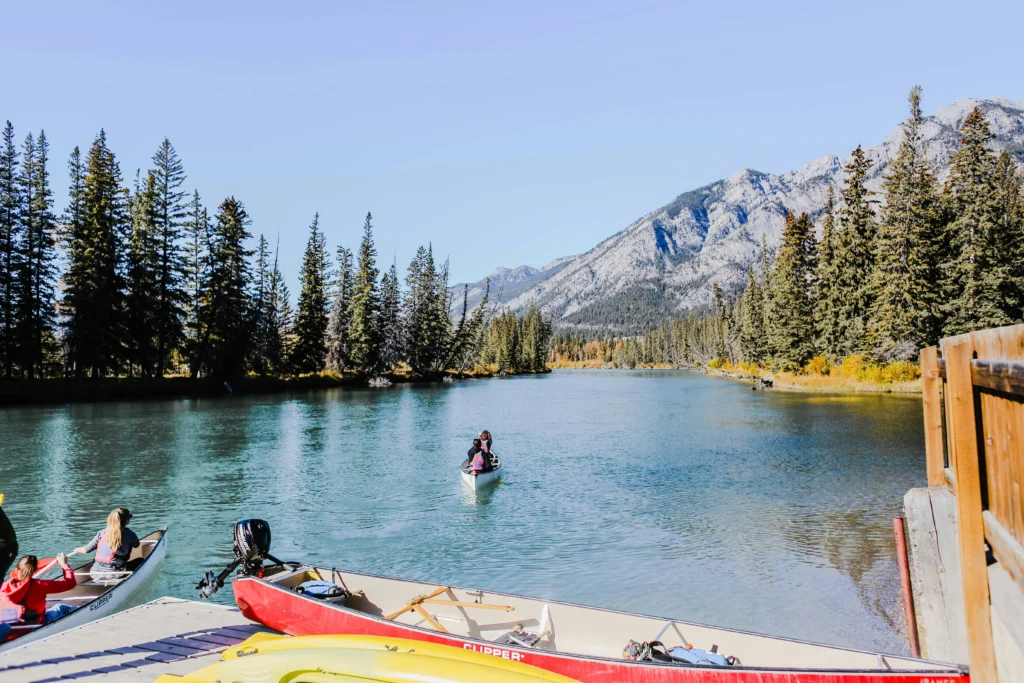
<point x="664" y="263"/>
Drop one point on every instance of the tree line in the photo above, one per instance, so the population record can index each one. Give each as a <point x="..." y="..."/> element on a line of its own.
<point x="140" y="281"/>
<point x="888" y="275"/>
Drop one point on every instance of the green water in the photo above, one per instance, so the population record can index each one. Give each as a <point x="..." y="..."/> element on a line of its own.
<point x="659" y="492"/>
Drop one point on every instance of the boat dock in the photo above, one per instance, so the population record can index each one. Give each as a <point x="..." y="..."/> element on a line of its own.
<point x="166" y="636"/>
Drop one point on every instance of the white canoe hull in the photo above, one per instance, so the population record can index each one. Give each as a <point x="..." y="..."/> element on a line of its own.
<point x="478" y="481"/>
<point x="104" y="604"/>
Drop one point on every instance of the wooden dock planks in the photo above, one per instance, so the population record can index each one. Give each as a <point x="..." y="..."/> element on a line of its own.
<point x="164" y="636"/>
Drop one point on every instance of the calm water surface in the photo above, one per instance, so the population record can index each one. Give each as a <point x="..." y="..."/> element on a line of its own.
<point x="659" y="492"/>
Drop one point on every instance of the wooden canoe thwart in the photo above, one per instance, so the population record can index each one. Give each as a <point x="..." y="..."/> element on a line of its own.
<point x="583" y="643"/>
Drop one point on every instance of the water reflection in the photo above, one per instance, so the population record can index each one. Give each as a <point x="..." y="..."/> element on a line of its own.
<point x="658" y="492"/>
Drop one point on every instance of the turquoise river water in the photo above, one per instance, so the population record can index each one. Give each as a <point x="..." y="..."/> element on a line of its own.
<point x="659" y="492"/>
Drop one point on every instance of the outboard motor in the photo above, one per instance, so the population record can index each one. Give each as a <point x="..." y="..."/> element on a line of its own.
<point x="252" y="549"/>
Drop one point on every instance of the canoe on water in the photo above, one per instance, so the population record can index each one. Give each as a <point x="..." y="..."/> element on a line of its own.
<point x="266" y="658"/>
<point x="476" y="480"/>
<point x="92" y="599"/>
<point x="582" y="643"/>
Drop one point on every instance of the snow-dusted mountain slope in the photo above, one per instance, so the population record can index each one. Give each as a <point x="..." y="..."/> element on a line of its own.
<point x="664" y="263"/>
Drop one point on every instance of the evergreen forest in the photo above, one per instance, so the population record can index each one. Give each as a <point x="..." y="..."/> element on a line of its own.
<point x="142" y="279"/>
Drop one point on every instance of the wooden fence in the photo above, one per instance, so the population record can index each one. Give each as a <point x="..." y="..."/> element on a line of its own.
<point x="974" y="439"/>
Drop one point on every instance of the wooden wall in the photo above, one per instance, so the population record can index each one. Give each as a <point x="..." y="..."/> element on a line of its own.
<point x="974" y="440"/>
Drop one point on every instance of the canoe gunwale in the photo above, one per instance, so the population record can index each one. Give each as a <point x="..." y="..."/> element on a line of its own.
<point x="945" y="669"/>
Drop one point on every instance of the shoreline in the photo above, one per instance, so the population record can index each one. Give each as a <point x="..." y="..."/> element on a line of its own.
<point x="785" y="381"/>
<point x="823" y="385"/>
<point x="24" y="392"/>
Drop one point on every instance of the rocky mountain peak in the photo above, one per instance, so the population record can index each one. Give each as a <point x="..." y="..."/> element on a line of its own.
<point x="665" y="262"/>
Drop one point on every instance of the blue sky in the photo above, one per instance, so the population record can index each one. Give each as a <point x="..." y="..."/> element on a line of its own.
<point x="505" y="133"/>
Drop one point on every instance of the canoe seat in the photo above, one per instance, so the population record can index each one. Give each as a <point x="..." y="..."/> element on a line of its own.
<point x="519" y="637"/>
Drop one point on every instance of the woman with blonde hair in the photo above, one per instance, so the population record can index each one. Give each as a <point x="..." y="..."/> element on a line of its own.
<point x="113" y="544"/>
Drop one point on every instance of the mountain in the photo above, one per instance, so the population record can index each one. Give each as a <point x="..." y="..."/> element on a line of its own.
<point x="509" y="283"/>
<point x="665" y="262"/>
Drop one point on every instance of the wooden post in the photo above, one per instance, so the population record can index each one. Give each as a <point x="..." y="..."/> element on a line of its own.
<point x="907" y="589"/>
<point x="960" y="396"/>
<point x="930" y="382"/>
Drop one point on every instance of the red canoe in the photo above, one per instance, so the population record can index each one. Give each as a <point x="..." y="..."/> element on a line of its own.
<point x="583" y="643"/>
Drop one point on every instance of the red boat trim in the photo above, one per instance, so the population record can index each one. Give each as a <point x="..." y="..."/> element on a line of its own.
<point x="933" y="676"/>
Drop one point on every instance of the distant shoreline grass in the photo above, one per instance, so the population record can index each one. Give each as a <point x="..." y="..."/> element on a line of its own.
<point x="19" y="392"/>
<point x="852" y="376"/>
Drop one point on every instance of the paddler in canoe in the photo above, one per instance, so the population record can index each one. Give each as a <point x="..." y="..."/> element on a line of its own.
<point x="477" y="459"/>
<point x="113" y="545"/>
<point x="23" y="597"/>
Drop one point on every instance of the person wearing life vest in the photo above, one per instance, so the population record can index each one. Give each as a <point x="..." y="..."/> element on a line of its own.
<point x="113" y="545"/>
<point x="23" y="598"/>
<point x="486" y="440"/>
<point x="478" y="458"/>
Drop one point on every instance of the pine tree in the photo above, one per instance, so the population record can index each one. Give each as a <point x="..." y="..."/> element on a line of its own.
<point x="142" y="262"/>
<point x="37" y="253"/>
<point x="1010" y="231"/>
<point x="196" y="264"/>
<point x="719" y="333"/>
<point x="535" y="341"/>
<point x="285" y="318"/>
<point x="94" y="295"/>
<point x="309" y="353"/>
<point x="391" y="347"/>
<point x="338" y="356"/>
<point x="752" y="341"/>
<point x="792" y="336"/>
<point x="769" y="320"/>
<point x="10" y="230"/>
<point x="975" y="272"/>
<point x="421" y="281"/>
<point x="363" y="328"/>
<point x="903" y="282"/>
<point x="265" y="318"/>
<point x="170" y="214"/>
<point x="855" y="256"/>
<point x="475" y="330"/>
<point x="442" y="338"/>
<point x="827" y="296"/>
<point x="72" y="238"/>
<point x="277" y="320"/>
<point x="502" y="347"/>
<point x="225" y="316"/>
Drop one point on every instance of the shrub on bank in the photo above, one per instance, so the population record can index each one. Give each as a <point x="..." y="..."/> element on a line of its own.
<point x="818" y="366"/>
<point x="850" y="368"/>
<point x="901" y="371"/>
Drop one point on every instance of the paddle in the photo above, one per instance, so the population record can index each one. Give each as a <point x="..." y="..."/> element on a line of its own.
<point x="46" y="567"/>
<point x="52" y="563"/>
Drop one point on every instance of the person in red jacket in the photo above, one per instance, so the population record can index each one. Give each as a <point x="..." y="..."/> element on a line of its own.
<point x="23" y="598"/>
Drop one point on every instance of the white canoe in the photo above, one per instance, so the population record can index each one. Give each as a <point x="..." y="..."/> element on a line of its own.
<point x="477" y="481"/>
<point x="95" y="599"/>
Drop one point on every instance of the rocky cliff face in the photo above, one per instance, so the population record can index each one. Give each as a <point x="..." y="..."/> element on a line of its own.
<point x="665" y="262"/>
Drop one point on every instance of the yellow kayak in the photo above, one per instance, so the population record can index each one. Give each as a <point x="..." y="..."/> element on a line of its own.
<point x="266" y="658"/>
